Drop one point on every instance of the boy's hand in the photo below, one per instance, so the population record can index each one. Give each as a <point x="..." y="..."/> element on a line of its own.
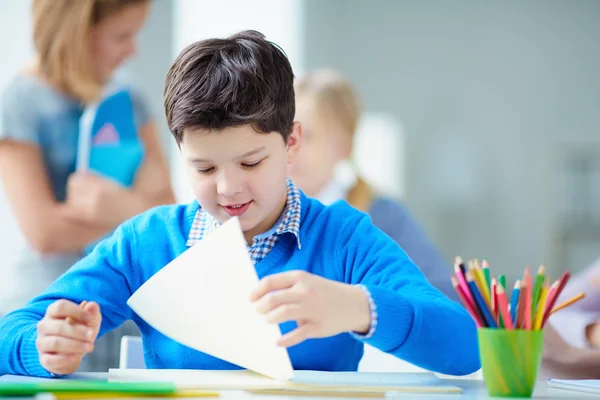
<point x="321" y="307"/>
<point x="67" y="333"/>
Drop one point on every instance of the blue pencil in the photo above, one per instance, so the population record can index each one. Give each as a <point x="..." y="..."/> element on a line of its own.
<point x="514" y="301"/>
<point x="480" y="302"/>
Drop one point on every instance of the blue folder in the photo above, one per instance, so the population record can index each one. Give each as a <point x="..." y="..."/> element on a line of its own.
<point x="108" y="139"/>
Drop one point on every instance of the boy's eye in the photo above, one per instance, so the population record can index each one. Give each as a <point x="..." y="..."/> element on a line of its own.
<point x="251" y="165"/>
<point x="205" y="170"/>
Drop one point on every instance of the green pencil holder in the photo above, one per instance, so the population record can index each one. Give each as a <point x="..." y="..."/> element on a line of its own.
<point x="510" y="360"/>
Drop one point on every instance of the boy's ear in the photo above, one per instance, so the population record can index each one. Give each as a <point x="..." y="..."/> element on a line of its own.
<point x="294" y="141"/>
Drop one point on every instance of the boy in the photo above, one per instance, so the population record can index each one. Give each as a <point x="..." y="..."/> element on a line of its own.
<point x="326" y="272"/>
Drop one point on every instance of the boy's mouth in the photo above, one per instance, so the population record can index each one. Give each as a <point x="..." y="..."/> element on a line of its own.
<point x="235" y="210"/>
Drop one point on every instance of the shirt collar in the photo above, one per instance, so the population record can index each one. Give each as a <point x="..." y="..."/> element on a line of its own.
<point x="289" y="221"/>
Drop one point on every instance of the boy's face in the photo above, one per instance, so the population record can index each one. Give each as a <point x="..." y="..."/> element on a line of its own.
<point x="240" y="172"/>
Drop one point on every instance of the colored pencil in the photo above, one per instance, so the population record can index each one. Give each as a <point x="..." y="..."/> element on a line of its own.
<point x="541" y="308"/>
<point x="567" y="303"/>
<point x="463" y="284"/>
<point x="521" y="309"/>
<point x="527" y="314"/>
<point x="494" y="303"/>
<point x="560" y="285"/>
<point x="503" y="308"/>
<point x="480" y="282"/>
<point x="537" y="288"/>
<point x="473" y="311"/>
<point x="480" y="301"/>
<point x="485" y="267"/>
<point x="514" y="301"/>
<point x="81" y="305"/>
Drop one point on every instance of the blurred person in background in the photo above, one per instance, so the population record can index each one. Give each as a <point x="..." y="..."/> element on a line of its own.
<point x="329" y="109"/>
<point x="79" y="45"/>
<point x="572" y="338"/>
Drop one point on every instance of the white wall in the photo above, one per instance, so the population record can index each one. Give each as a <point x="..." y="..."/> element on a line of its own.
<point x="279" y="20"/>
<point x="483" y="90"/>
<point x="16" y="25"/>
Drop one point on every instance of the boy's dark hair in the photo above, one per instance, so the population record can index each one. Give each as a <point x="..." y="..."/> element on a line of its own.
<point x="218" y="83"/>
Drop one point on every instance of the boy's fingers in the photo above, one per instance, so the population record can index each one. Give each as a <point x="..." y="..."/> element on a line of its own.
<point x="295" y="337"/>
<point x="284" y="313"/>
<point x="272" y="300"/>
<point x="59" y="363"/>
<point x="280" y="281"/>
<point x="61" y="309"/>
<point x="61" y="345"/>
<point x="95" y="317"/>
<point x="58" y="327"/>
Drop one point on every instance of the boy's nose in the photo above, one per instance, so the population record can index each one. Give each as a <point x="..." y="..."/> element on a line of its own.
<point x="229" y="185"/>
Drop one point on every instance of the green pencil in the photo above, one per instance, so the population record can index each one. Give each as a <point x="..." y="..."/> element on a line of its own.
<point x="502" y="283"/>
<point x="486" y="272"/>
<point x="537" y="289"/>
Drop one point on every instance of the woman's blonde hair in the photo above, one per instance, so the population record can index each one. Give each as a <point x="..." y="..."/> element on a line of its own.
<point x="61" y="30"/>
<point x="334" y="94"/>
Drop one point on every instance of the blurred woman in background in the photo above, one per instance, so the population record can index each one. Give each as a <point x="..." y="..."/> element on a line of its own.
<point x="572" y="339"/>
<point x="79" y="45"/>
<point x="329" y="109"/>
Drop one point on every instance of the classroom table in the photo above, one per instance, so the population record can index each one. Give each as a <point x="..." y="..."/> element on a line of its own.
<point x="471" y="389"/>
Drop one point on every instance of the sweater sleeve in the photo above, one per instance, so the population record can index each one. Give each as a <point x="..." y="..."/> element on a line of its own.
<point x="103" y="276"/>
<point x="398" y="222"/>
<point x="415" y="321"/>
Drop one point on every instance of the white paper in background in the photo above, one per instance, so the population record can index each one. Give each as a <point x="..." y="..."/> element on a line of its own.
<point x="201" y="300"/>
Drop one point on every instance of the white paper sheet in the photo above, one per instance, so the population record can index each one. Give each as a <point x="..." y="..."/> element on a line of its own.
<point x="201" y="299"/>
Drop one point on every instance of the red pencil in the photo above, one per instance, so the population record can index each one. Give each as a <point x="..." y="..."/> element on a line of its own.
<point x="520" y="315"/>
<point x="463" y="284"/>
<point x="528" y="299"/>
<point x="494" y="286"/>
<point x="502" y="304"/>
<point x="468" y="305"/>
<point x="552" y="298"/>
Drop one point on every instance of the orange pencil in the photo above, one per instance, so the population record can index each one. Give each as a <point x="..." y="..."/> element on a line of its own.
<point x="567" y="303"/>
<point x="503" y="308"/>
<point x="470" y="307"/>
<point x="81" y="305"/>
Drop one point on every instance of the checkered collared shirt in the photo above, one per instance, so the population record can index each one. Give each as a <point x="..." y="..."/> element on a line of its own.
<point x="289" y="222"/>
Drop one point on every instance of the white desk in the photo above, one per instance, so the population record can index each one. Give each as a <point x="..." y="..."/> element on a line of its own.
<point x="472" y="389"/>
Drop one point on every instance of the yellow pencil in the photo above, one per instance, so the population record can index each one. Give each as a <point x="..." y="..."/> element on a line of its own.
<point x="568" y="303"/>
<point x="539" y="315"/>
<point x="480" y="282"/>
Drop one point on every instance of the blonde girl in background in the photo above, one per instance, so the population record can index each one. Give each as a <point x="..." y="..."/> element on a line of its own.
<point x="329" y="109"/>
<point x="79" y="45"/>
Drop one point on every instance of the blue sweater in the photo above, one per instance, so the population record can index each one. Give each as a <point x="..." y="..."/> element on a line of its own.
<point x="397" y="221"/>
<point x="415" y="321"/>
